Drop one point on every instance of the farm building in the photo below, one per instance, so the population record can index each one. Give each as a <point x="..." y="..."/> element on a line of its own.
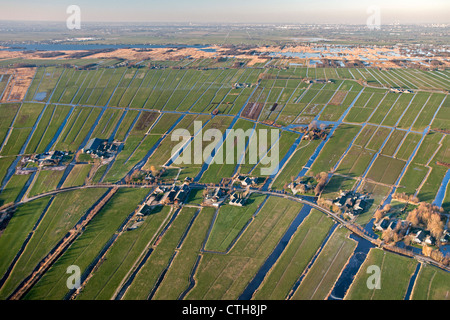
<point x="351" y="203"/>
<point x="50" y="158"/>
<point x="100" y="148"/>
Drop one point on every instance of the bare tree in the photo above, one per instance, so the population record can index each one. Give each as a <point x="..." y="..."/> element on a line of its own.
<point x="413" y="217"/>
<point x="435" y="226"/>
<point x="312" y="125"/>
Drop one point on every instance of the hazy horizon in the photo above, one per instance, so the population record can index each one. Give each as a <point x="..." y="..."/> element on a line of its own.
<point x="233" y="11"/>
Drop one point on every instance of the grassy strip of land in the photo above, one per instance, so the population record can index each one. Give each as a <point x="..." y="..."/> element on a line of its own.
<point x="326" y="269"/>
<point x="295" y="258"/>
<point x="120" y="259"/>
<point x="396" y="272"/>
<point x="177" y="278"/>
<point x="230" y="222"/>
<point x="64" y="212"/>
<point x="226" y="276"/>
<point x="147" y="277"/>
<point x="82" y="252"/>
<point x="13" y="189"/>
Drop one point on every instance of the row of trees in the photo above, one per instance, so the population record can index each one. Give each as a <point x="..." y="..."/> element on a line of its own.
<point x="322" y="179"/>
<point x="405" y="197"/>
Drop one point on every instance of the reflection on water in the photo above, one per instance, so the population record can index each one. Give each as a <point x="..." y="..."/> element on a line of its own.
<point x="352" y="268"/>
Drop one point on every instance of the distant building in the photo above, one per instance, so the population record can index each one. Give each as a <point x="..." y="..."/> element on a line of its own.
<point x="420" y="237"/>
<point x="237" y="199"/>
<point x="351" y="203"/>
<point x="146" y="210"/>
<point x="100" y="148"/>
<point x="49" y="158"/>
<point x="247" y="182"/>
<point x="382" y="224"/>
<point x="182" y="193"/>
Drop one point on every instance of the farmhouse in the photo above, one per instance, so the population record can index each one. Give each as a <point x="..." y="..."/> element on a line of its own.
<point x="169" y="196"/>
<point x="237" y="199"/>
<point x="100" y="148"/>
<point x="299" y="187"/>
<point x="445" y="237"/>
<point x="50" y="158"/>
<point x="351" y="203"/>
<point x="247" y="182"/>
<point x="182" y="193"/>
<point x="214" y="197"/>
<point x="237" y="202"/>
<point x="382" y="225"/>
<point x="424" y="237"/>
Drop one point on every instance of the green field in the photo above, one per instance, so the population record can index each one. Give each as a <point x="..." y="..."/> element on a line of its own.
<point x="229" y="222"/>
<point x="119" y="261"/>
<point x="431" y="284"/>
<point x="88" y="245"/>
<point x="385" y="142"/>
<point x="64" y="212"/>
<point x="147" y="277"/>
<point x="20" y="225"/>
<point x="334" y="148"/>
<point x="295" y="258"/>
<point x="319" y="281"/>
<point x="226" y="276"/>
<point x="396" y="272"/>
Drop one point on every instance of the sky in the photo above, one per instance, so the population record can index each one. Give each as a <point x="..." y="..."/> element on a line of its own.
<point x="231" y="11"/>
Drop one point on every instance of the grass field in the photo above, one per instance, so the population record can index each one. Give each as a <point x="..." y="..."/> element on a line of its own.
<point x="431" y="284"/>
<point x="51" y="120"/>
<point x="64" y="212"/>
<point x="299" y="159"/>
<point x="18" y="229"/>
<point x="77" y="176"/>
<point x="176" y="281"/>
<point x="226" y="276"/>
<point x="102" y="227"/>
<point x="355" y="162"/>
<point x="65" y="106"/>
<point x="396" y="272"/>
<point x="325" y="271"/>
<point x="8" y="111"/>
<point x="336" y="184"/>
<point x="147" y="277"/>
<point x="334" y="148"/>
<point x="302" y="247"/>
<point x="13" y="189"/>
<point x="385" y="170"/>
<point x="230" y="222"/>
<point x="119" y="261"/>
